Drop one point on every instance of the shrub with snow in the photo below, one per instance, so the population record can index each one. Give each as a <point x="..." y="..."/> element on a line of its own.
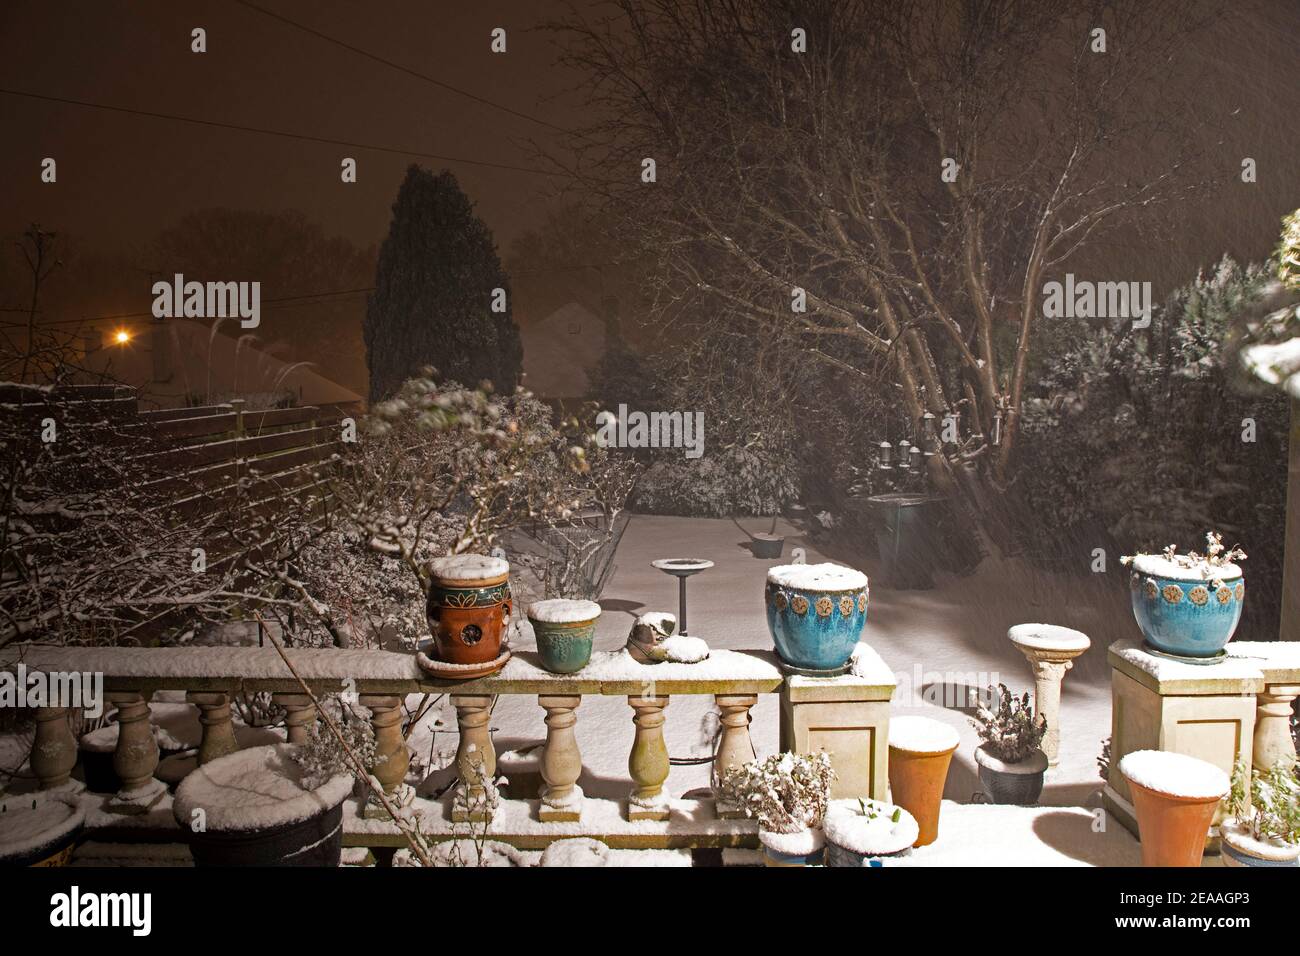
<point x="786" y="793"/>
<point x="1267" y="807"/>
<point x="1010" y="730"/>
<point x="323" y="757"/>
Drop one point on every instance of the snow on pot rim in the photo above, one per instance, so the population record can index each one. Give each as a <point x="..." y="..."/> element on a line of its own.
<point x="922" y="735"/>
<point x="1035" y="763"/>
<point x="469" y="567"/>
<point x="1235" y="834"/>
<point x="255" y="789"/>
<point x="817" y="577"/>
<point x="1048" y="637"/>
<point x="1158" y="566"/>
<point x="36" y="820"/>
<point x="847" y="827"/>
<point x="800" y="843"/>
<point x="575" y="852"/>
<point x="563" y="611"/>
<point x="1175" y="774"/>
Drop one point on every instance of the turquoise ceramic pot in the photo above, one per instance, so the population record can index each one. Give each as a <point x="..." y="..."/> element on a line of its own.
<point x="564" y="648"/>
<point x="815" y="630"/>
<point x="1187" y="617"/>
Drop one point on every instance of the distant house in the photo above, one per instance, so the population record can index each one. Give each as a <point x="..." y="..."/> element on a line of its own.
<point x="561" y="350"/>
<point x="177" y="362"/>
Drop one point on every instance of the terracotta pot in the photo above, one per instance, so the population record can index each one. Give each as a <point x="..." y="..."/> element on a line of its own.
<point x="916" y="781"/>
<point x="1172" y="829"/>
<point x="468" y="618"/>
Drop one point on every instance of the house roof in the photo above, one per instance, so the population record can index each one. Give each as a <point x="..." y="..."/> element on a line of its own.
<point x="561" y="349"/>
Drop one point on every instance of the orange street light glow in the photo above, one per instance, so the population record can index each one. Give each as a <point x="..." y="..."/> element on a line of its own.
<point x="122" y="337"/>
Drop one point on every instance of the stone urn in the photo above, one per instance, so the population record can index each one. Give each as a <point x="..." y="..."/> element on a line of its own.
<point x="565" y="631"/>
<point x="468" y="607"/>
<point x="1186" y="611"/>
<point x="815" y="614"/>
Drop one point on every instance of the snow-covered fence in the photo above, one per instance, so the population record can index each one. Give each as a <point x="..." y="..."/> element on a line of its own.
<point x="838" y="719"/>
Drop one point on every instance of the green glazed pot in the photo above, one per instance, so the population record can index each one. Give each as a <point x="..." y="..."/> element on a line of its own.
<point x="564" y="646"/>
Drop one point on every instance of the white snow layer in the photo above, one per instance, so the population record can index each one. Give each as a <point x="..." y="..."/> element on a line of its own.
<point x="1158" y="566"/>
<point x="563" y="611"/>
<point x="30" y="821"/>
<point x="848" y="827"/>
<point x="796" y="844"/>
<point x="922" y="735"/>
<point x="817" y="577"/>
<point x="684" y="650"/>
<point x="579" y="851"/>
<point x="1175" y="774"/>
<point x="468" y="567"/>
<point x="254" y="789"/>
<point x="1048" y="637"/>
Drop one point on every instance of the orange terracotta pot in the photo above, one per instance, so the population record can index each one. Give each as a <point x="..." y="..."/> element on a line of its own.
<point x="1172" y="829"/>
<point x="468" y="618"/>
<point x="916" y="783"/>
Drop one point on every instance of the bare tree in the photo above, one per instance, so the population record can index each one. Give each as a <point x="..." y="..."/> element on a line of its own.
<point x="784" y="176"/>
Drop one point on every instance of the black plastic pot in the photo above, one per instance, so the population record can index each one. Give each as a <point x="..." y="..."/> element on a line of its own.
<point x="1012" y="784"/>
<point x="316" y="841"/>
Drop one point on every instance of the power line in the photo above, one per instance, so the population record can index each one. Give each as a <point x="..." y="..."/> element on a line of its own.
<point x="397" y="66"/>
<point x="275" y="132"/>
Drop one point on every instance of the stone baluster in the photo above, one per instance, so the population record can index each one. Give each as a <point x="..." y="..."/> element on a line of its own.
<point x="1273" y="744"/>
<point x="136" y="756"/>
<point x="54" y="751"/>
<point x="561" y="761"/>
<point x="300" y="716"/>
<point x="648" y="762"/>
<point x="392" y="758"/>
<point x="476" y="759"/>
<point x="735" y="748"/>
<point x="218" y="729"/>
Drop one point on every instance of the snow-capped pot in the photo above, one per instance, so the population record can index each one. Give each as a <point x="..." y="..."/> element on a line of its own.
<point x="575" y="852"/>
<point x="1011" y="764"/>
<point x="920" y="751"/>
<point x="39" y="829"/>
<point x="788" y="795"/>
<point x="565" y="630"/>
<point x="1188" y="605"/>
<point x="1263" y="828"/>
<point x="1174" y="798"/>
<point x="815" y="613"/>
<point x="862" y="833"/>
<point x="468" y="607"/>
<point x="254" y="808"/>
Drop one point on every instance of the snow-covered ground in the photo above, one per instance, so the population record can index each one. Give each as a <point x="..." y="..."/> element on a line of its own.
<point x="939" y="642"/>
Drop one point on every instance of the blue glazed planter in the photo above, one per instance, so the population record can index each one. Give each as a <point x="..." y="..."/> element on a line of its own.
<point x="815" y="630"/>
<point x="564" y="648"/>
<point x="1187" y="617"/>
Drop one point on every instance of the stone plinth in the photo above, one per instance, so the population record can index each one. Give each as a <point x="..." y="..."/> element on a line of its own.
<point x="848" y="717"/>
<point x="1205" y="711"/>
<point x="1051" y="651"/>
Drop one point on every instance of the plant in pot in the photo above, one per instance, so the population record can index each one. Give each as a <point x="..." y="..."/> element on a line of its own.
<point x="39" y="829"/>
<point x="788" y="795"/>
<point x="276" y="805"/>
<point x="1188" y="605"/>
<point x="1263" y="827"/>
<point x="1011" y="764"/>
<point x="862" y="833"/>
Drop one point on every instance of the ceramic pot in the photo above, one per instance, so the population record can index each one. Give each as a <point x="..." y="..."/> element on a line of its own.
<point x="1187" y="616"/>
<point x="853" y="839"/>
<point x="793" y="849"/>
<point x="468" y="616"/>
<point x="1019" y="784"/>
<point x="1238" y="848"/>
<point x="920" y="752"/>
<point x="815" y="621"/>
<point x="564" y="646"/>
<point x="1172" y="828"/>
<point x="49" y="824"/>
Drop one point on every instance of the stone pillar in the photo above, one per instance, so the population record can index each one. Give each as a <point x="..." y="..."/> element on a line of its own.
<point x="218" y="729"/>
<point x="735" y="748"/>
<point x="300" y="716"/>
<point x="1051" y="652"/>
<point x="136" y="756"/>
<point x="561" y="761"/>
<point x="648" y="762"/>
<point x="54" y="751"/>
<point x="476" y="759"/>
<point x="1273" y="742"/>
<point x="848" y="718"/>
<point x="392" y="758"/>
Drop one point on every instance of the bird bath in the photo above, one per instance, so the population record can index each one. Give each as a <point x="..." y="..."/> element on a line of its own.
<point x="681" y="569"/>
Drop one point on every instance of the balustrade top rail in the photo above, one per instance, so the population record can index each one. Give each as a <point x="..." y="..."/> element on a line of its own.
<point x="327" y="670"/>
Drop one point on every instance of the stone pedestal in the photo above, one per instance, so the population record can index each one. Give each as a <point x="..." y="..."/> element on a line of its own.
<point x="1205" y="711"/>
<point x="1051" y="652"/>
<point x="1279" y="662"/>
<point x="561" y="797"/>
<point x="848" y="718"/>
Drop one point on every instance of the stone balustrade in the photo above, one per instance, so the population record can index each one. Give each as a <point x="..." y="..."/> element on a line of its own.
<point x="846" y="716"/>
